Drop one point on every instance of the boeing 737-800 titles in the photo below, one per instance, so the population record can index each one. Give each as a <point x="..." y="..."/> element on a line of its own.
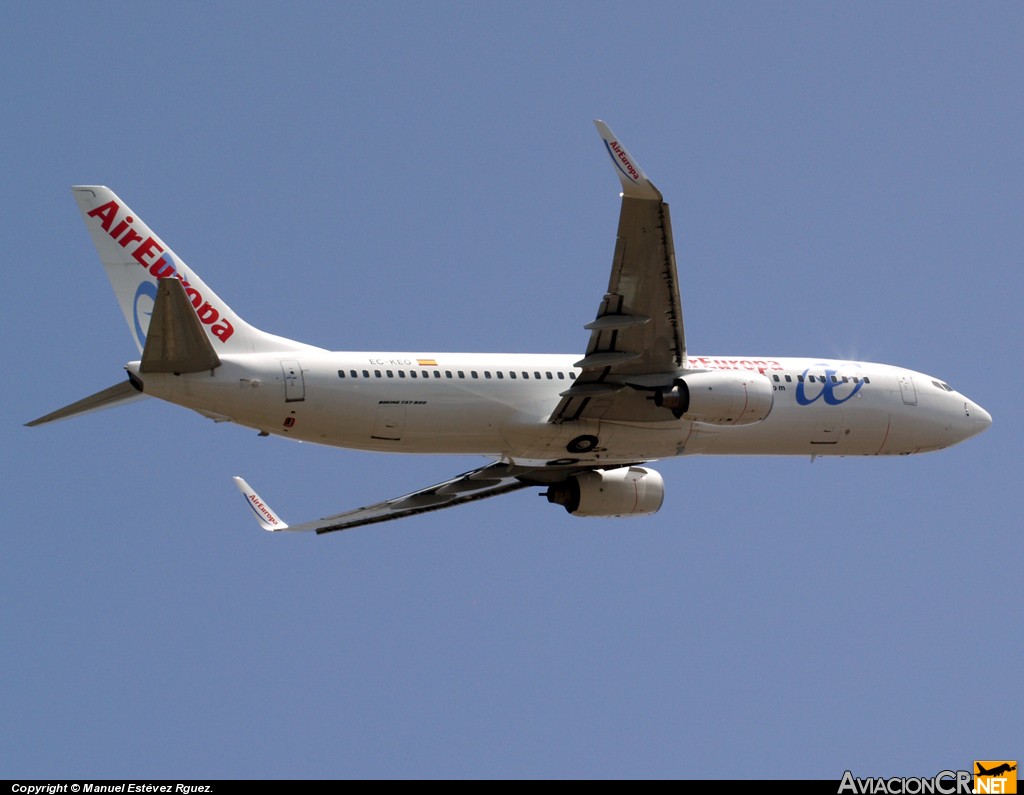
<point x="581" y="426"/>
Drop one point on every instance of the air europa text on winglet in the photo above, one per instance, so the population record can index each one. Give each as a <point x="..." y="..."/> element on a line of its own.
<point x="621" y="154"/>
<point x="147" y="252"/>
<point x="264" y="511"/>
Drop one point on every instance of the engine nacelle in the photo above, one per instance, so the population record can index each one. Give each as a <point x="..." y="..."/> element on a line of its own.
<point x="627" y="491"/>
<point x="720" y="398"/>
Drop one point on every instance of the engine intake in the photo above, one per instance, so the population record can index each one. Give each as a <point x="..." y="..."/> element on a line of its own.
<point x="719" y="398"/>
<point x="628" y="491"/>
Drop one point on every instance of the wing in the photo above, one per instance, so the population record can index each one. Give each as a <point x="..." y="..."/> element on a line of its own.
<point x="477" y="484"/>
<point x="637" y="338"/>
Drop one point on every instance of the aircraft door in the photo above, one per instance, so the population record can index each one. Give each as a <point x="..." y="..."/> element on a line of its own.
<point x="907" y="390"/>
<point x="294" y="383"/>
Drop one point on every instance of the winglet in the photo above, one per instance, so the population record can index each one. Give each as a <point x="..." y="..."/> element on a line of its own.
<point x="264" y="515"/>
<point x="634" y="181"/>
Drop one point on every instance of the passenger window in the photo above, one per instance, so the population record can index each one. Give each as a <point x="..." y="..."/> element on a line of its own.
<point x="776" y="378"/>
<point x="366" y="373"/>
<point x="447" y="373"/>
<point x="391" y="373"/>
<point x="461" y="374"/>
<point x="500" y="374"/>
<point x="474" y="374"/>
<point x="525" y="374"/>
<point x="353" y="373"/>
<point x="512" y="374"/>
<point x="572" y="376"/>
<point x="487" y="373"/>
<point x="811" y="379"/>
<point x="789" y="378"/>
<point x="550" y="377"/>
<point x="867" y="380"/>
<point x="377" y="373"/>
<point x="536" y="373"/>
<point x="800" y="378"/>
<point x="413" y="374"/>
<point x="561" y="376"/>
<point x="835" y="380"/>
<point x="341" y="374"/>
<point x="401" y="373"/>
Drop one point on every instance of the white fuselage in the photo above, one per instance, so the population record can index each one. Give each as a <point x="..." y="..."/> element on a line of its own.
<point x="499" y="405"/>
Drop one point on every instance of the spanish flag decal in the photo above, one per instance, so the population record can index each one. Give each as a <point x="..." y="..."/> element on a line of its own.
<point x="427" y="362"/>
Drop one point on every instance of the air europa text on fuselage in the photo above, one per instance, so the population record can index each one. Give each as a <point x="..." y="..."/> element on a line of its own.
<point x="147" y="254"/>
<point x="760" y="365"/>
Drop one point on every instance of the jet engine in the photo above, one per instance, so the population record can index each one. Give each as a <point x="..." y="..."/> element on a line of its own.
<point x="719" y="398"/>
<point x="627" y="491"/>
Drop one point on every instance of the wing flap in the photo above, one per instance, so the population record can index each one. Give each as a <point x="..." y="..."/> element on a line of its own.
<point x="477" y="484"/>
<point x="413" y="504"/>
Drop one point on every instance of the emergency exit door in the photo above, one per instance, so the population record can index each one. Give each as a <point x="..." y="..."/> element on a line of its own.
<point x="294" y="384"/>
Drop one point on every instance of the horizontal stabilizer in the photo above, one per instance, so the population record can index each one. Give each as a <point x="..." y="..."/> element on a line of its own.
<point x="176" y="342"/>
<point x="124" y="392"/>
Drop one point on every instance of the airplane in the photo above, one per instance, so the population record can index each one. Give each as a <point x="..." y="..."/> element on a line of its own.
<point x="999" y="770"/>
<point x="581" y="426"/>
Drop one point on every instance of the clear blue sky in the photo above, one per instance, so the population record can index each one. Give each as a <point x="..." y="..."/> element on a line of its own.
<point x="845" y="180"/>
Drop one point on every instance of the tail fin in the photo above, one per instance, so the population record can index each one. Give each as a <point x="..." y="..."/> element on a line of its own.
<point x="135" y="258"/>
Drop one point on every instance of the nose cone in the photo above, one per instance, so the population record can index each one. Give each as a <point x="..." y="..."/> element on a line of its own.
<point x="982" y="419"/>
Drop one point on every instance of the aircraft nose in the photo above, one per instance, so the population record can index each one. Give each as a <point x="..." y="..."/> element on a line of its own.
<point x="982" y="419"/>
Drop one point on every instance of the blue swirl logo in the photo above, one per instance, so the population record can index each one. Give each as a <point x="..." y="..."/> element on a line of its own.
<point x="830" y="381"/>
<point x="143" y="310"/>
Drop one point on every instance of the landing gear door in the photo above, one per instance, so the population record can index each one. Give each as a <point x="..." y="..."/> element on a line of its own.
<point x="294" y="384"/>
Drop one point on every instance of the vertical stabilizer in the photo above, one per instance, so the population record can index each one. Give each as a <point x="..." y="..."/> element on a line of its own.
<point x="135" y="258"/>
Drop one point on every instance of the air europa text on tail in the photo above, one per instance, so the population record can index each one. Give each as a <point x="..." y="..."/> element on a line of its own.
<point x="147" y="254"/>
